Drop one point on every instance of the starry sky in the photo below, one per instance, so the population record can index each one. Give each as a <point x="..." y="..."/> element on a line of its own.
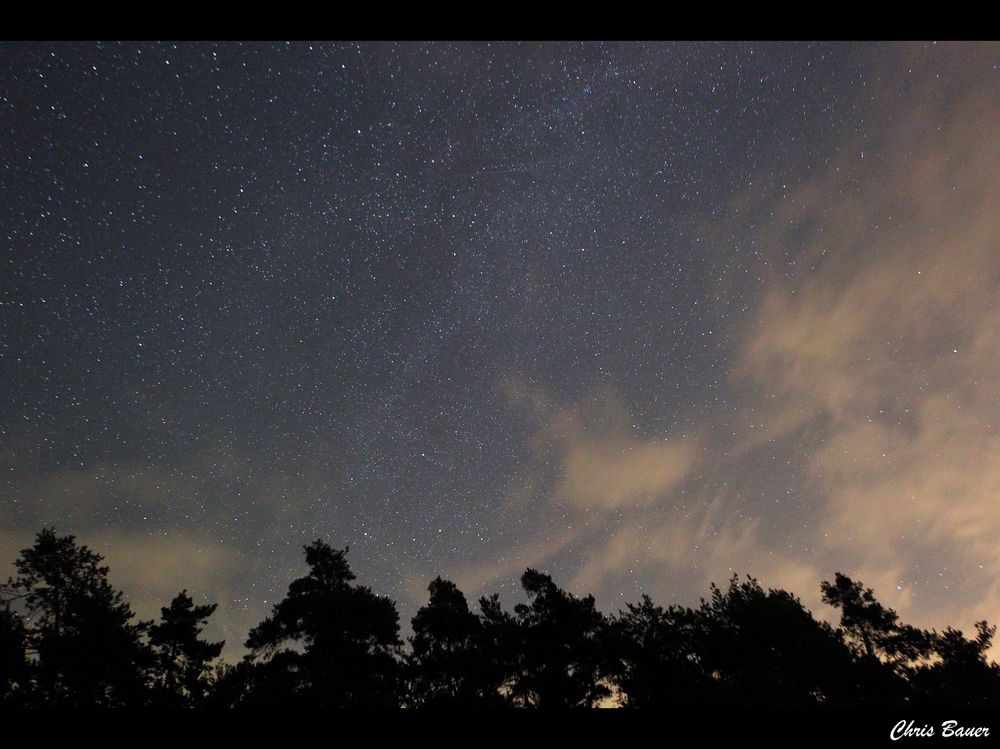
<point x="641" y="315"/>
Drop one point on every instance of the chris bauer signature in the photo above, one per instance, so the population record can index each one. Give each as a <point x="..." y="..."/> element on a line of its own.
<point x="949" y="728"/>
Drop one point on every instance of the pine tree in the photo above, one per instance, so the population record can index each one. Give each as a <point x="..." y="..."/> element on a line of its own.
<point x="87" y="649"/>
<point x="451" y="664"/>
<point x="183" y="659"/>
<point x="562" y="647"/>
<point x="328" y="643"/>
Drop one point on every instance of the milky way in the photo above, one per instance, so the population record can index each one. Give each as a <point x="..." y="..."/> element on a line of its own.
<point x="640" y="315"/>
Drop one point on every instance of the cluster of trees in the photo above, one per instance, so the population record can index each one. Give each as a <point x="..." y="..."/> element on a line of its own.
<point x="69" y="639"/>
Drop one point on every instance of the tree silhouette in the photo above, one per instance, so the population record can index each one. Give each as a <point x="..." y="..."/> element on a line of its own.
<point x="765" y="648"/>
<point x="562" y="659"/>
<point x="69" y="639"/>
<point x="886" y="650"/>
<point x="873" y="630"/>
<point x="657" y="656"/>
<point x="87" y="650"/>
<point x="961" y="677"/>
<point x="182" y="658"/>
<point x="499" y="648"/>
<point x="451" y="663"/>
<point x="328" y="643"/>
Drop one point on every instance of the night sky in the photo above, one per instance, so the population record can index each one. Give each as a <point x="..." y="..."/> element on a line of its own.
<point x="639" y="315"/>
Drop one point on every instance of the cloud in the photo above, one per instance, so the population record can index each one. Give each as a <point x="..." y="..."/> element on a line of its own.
<point x="613" y="504"/>
<point x="866" y="360"/>
<point x="886" y="337"/>
<point x="120" y="510"/>
<point x="589" y="468"/>
<point x="617" y="471"/>
<point x="153" y="567"/>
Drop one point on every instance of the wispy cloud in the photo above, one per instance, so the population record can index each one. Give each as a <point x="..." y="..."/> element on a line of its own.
<point x="887" y="336"/>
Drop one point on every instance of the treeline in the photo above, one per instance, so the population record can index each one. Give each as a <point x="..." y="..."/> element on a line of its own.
<point x="69" y="639"/>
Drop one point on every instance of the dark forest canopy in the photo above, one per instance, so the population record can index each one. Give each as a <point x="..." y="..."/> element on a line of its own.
<point x="69" y="639"/>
